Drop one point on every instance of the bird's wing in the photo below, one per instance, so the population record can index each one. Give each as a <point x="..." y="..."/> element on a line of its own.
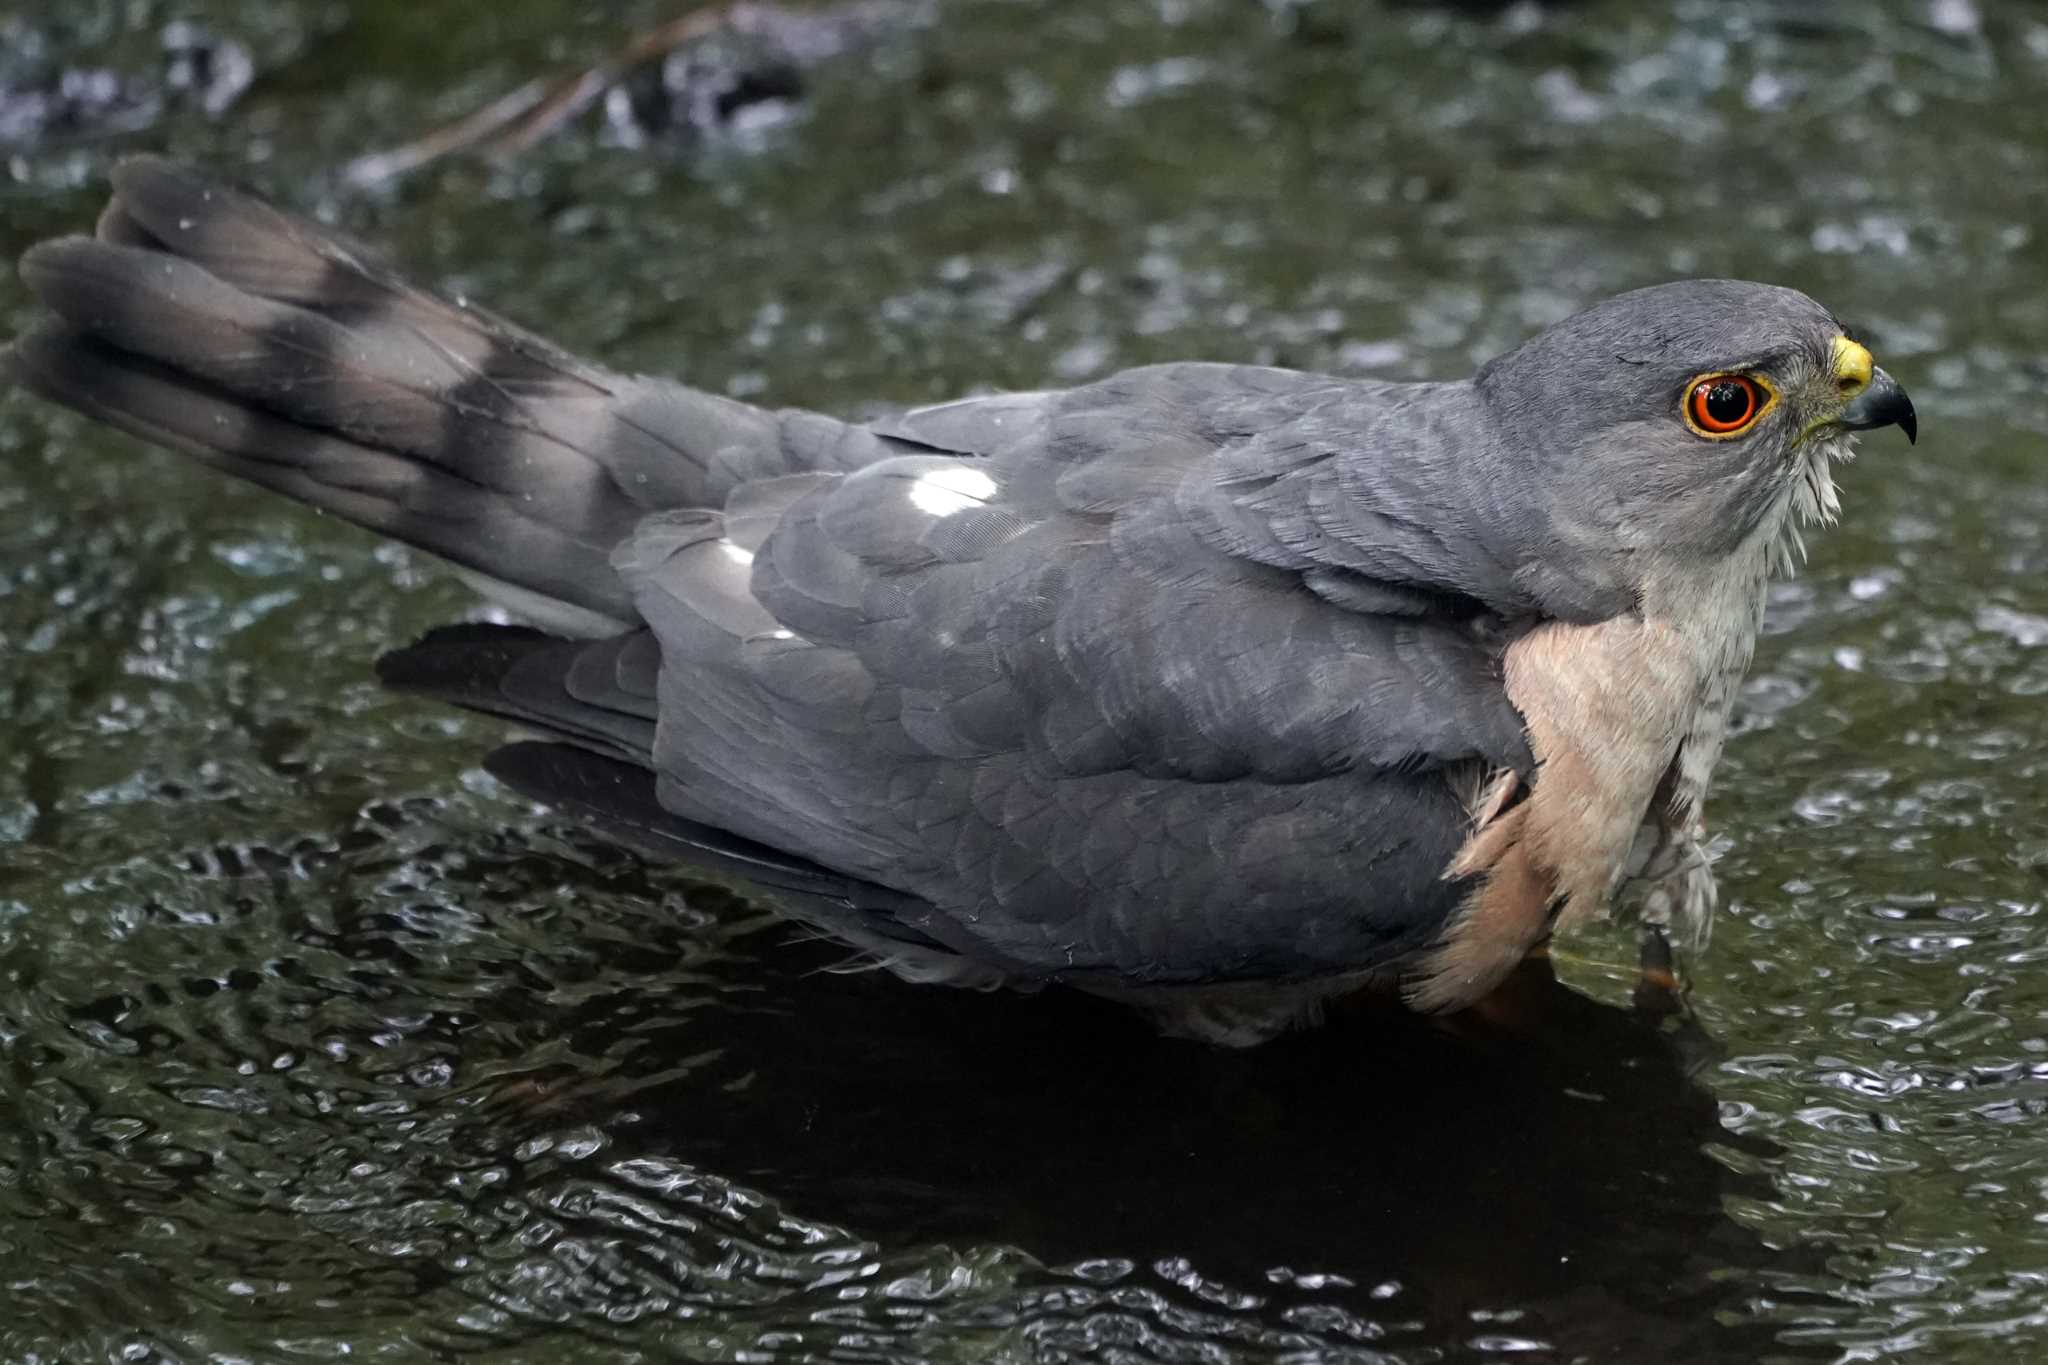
<point x="1061" y="690"/>
<point x="1386" y="498"/>
<point x="595" y="700"/>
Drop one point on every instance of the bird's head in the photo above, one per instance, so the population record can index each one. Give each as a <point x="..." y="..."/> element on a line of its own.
<point x="1685" y="421"/>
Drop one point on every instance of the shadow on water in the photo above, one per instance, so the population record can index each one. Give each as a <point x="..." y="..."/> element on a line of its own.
<point x="1536" y="1174"/>
<point x="432" y="1093"/>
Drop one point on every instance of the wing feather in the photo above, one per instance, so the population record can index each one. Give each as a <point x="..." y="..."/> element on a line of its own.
<point x="1048" y="707"/>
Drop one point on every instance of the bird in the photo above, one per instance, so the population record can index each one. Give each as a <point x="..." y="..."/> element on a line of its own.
<point x="1220" y="690"/>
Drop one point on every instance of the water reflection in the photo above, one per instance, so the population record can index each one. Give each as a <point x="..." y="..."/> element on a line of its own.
<point x="1539" y="1174"/>
<point x="395" y="1085"/>
<point x="440" y="1087"/>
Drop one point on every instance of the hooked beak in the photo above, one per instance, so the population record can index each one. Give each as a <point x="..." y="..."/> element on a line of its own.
<point x="1881" y="404"/>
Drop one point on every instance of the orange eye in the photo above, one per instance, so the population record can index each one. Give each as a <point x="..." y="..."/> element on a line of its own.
<point x="1723" y="405"/>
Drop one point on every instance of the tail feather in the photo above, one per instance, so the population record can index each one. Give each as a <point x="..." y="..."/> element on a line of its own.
<point x="203" y="318"/>
<point x="466" y="412"/>
<point x="260" y="250"/>
<point x="119" y="227"/>
<point x="386" y="492"/>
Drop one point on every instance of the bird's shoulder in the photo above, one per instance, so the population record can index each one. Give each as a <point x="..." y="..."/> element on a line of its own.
<point x="1214" y="403"/>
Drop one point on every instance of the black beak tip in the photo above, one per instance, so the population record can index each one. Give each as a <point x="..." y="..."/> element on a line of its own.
<point x="1882" y="404"/>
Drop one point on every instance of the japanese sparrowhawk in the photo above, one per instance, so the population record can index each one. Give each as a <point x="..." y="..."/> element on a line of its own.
<point x="1217" y="688"/>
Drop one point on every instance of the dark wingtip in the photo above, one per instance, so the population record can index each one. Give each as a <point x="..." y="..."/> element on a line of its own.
<point x="457" y="657"/>
<point x="537" y="767"/>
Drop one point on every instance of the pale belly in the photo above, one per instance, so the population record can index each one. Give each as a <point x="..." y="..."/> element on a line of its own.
<point x="1626" y="719"/>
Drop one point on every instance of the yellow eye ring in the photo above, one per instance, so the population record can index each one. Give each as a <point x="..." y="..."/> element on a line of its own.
<point x="1723" y="406"/>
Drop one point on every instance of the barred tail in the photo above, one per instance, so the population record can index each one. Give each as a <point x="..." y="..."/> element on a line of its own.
<point x="200" y="318"/>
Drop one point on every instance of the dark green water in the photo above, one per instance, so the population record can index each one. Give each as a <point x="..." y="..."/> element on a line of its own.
<point x="315" y="1043"/>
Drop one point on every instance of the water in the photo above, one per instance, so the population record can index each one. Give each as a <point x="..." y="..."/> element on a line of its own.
<point x="314" y="1042"/>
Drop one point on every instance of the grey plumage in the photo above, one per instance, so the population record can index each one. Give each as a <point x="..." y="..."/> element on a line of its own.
<point x="1189" y="676"/>
<point x="203" y="319"/>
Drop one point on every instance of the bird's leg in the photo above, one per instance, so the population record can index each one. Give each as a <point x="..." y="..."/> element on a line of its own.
<point x="1659" y="994"/>
<point x="1671" y="879"/>
<point x="1678" y="887"/>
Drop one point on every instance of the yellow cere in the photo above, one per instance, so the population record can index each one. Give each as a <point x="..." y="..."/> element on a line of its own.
<point x="1852" y="366"/>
